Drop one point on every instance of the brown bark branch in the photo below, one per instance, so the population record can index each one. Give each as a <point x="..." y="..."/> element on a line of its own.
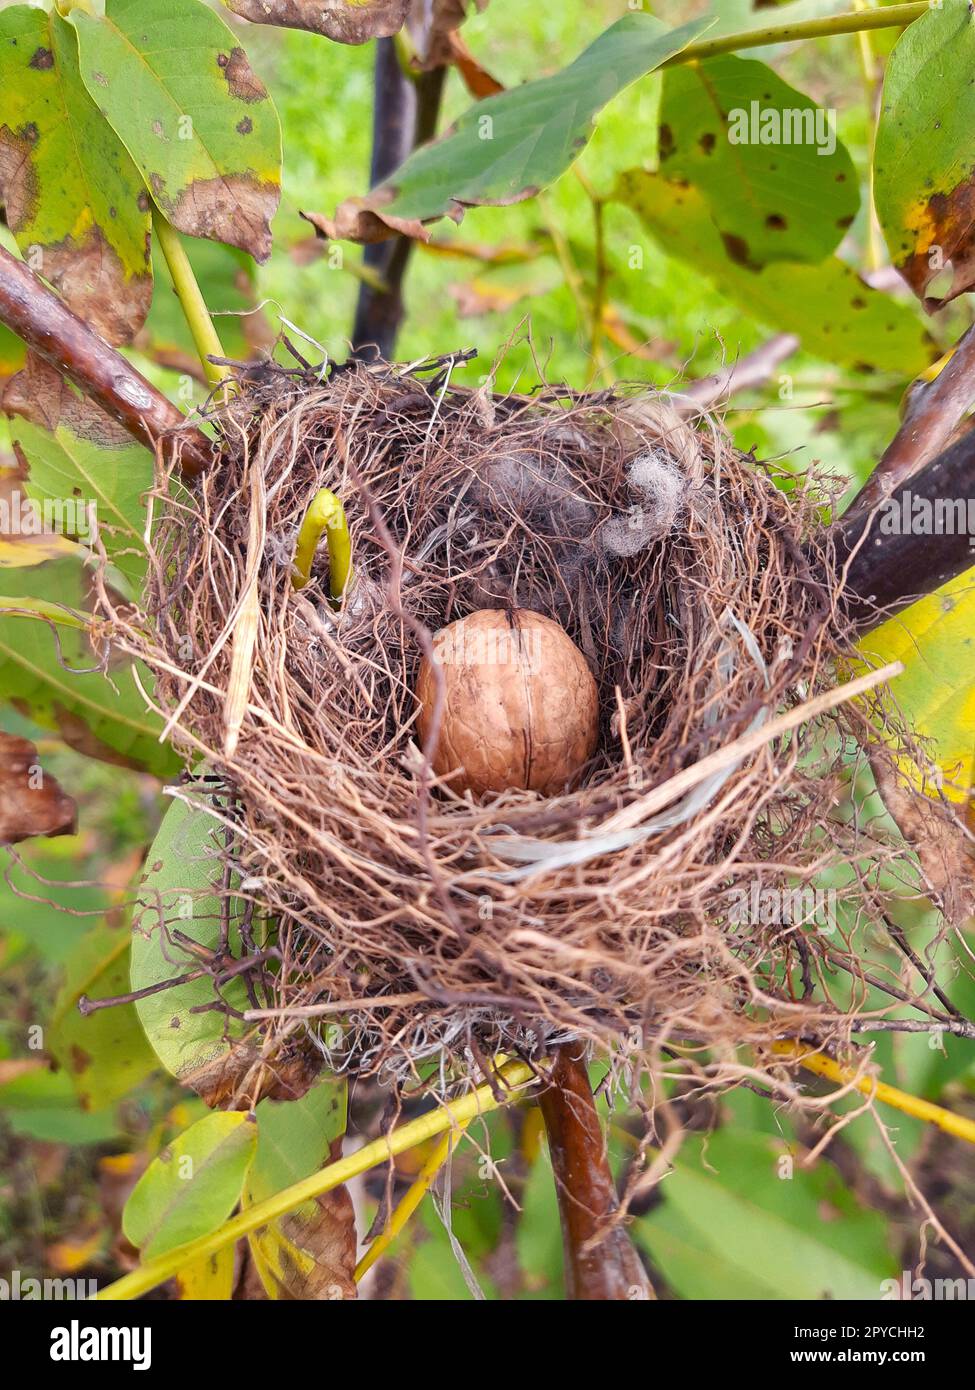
<point x="56" y="334"/>
<point x="405" y="115"/>
<point x="887" y="569"/>
<point x="931" y="419"/>
<point x="600" y="1261"/>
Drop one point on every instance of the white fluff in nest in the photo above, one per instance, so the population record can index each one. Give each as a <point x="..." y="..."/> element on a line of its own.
<point x="661" y="486"/>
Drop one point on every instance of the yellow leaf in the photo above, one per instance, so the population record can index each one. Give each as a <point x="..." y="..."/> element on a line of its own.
<point x="210" y="1279"/>
<point x="31" y="550"/>
<point x="935" y="640"/>
<point x="24" y="539"/>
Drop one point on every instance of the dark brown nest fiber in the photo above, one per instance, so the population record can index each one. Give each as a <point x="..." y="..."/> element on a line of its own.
<point x="415" y="925"/>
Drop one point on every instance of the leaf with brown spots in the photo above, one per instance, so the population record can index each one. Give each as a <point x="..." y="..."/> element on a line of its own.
<point x="924" y="164"/>
<point x="105" y="1053"/>
<point x="31" y="802"/>
<point x="70" y="191"/>
<point x="787" y="198"/>
<point x="345" y="21"/>
<point x="182" y="96"/>
<point x="836" y="315"/>
<point x="510" y="146"/>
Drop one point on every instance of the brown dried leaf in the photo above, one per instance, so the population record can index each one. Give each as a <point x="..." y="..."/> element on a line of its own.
<point x="31" y="801"/>
<point x="345" y="21"/>
<point x="235" y="208"/>
<point x="432" y="24"/>
<point x="361" y="220"/>
<point x="41" y="395"/>
<point x="90" y="278"/>
<point x="478" y="81"/>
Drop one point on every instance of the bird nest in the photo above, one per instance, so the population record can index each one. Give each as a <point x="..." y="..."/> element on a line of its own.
<point x="417" y="928"/>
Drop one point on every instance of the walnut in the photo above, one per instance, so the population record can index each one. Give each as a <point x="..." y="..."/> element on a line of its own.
<point x="520" y="703"/>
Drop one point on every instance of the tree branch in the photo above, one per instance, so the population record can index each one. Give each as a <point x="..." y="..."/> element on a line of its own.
<point x="932" y="417"/>
<point x="858" y="21"/>
<point x="890" y="568"/>
<point x="404" y="116"/>
<point x="600" y="1261"/>
<point x="56" y="334"/>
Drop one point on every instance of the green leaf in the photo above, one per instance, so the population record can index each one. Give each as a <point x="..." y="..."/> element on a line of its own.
<point x="935" y="640"/>
<point x="105" y="1053"/>
<point x="41" y="608"/>
<point x="924" y="174"/>
<point x="735" y="1222"/>
<point x="12" y="351"/>
<point x="310" y="1252"/>
<point x="74" y="199"/>
<point x="346" y="21"/>
<point x="538" y="1235"/>
<point x="98" y="482"/>
<point x="42" y="1105"/>
<point x="434" y="1271"/>
<point x="507" y="148"/>
<point x="194" y="1184"/>
<point x="836" y="315"/>
<point x="102" y="716"/>
<point x="610" y="151"/>
<point x="790" y="199"/>
<point x="296" y="1136"/>
<point x="176" y="892"/>
<point x="43" y="899"/>
<point x="181" y="95"/>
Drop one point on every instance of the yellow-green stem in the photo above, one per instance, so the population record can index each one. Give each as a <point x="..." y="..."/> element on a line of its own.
<point x="890" y="17"/>
<point x="453" y="1115"/>
<point x="190" y="296"/>
<point x="43" y="610"/>
<point x="409" y="1203"/>
<point x="958" y="1125"/>
<point x="327" y="514"/>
